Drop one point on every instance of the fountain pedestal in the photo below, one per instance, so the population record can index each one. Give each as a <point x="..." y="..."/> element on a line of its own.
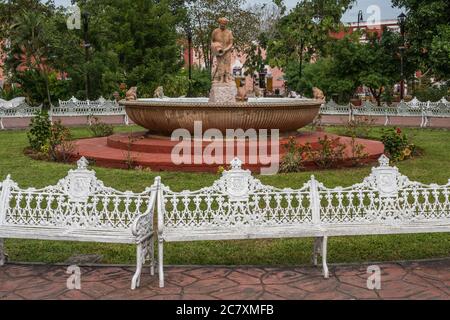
<point x="223" y="93"/>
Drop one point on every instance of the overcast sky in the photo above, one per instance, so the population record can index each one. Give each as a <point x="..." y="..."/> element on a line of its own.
<point x="385" y="9"/>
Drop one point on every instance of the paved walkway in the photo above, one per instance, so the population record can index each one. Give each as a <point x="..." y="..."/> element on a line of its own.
<point x="410" y="280"/>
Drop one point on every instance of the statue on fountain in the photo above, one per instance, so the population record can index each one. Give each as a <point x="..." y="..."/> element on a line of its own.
<point x="223" y="87"/>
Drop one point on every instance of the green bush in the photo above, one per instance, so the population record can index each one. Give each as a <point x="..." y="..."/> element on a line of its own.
<point x="329" y="154"/>
<point x="359" y="127"/>
<point x="101" y="129"/>
<point x="8" y="92"/>
<point x="39" y="132"/>
<point x="431" y="93"/>
<point x="292" y="160"/>
<point x="178" y="85"/>
<point x="59" y="145"/>
<point x="396" y="144"/>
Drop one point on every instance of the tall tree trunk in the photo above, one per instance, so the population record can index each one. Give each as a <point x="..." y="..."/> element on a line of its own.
<point x="376" y="96"/>
<point x="47" y="89"/>
<point x="300" y="67"/>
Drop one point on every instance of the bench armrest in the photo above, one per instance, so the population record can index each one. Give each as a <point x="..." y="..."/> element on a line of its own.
<point x="142" y="227"/>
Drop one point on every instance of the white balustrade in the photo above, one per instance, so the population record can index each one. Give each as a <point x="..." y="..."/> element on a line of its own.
<point x="87" y="108"/>
<point x="414" y="108"/>
<point x="16" y="108"/>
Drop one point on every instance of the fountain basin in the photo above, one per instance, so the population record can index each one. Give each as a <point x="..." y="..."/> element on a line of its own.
<point x="163" y="116"/>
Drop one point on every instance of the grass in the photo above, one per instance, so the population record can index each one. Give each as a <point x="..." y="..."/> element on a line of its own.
<point x="432" y="167"/>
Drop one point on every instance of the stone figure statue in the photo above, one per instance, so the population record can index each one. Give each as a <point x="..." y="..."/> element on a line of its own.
<point x="221" y="47"/>
<point x="159" y="93"/>
<point x="318" y="94"/>
<point x="131" y="94"/>
<point x="242" y="91"/>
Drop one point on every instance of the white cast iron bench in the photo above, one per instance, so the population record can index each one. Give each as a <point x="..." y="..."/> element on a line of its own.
<point x="238" y="206"/>
<point x="80" y="208"/>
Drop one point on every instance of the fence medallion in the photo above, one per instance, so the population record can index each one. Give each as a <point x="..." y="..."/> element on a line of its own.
<point x="236" y="181"/>
<point x="80" y="182"/>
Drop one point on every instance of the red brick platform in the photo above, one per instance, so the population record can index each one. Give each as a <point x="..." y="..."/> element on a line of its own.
<point x="123" y="151"/>
<point x="409" y="280"/>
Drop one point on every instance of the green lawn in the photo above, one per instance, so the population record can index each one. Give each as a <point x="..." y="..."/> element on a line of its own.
<point x="433" y="166"/>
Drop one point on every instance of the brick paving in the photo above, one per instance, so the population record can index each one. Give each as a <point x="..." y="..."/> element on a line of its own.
<point x="404" y="280"/>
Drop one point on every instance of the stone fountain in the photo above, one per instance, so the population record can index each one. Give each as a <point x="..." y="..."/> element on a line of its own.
<point x="221" y="110"/>
<point x="226" y="109"/>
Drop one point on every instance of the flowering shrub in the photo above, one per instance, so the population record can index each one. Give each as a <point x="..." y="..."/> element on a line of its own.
<point x="101" y="129"/>
<point x="358" y="153"/>
<point x="39" y="131"/>
<point x="49" y="141"/>
<point x="122" y="91"/>
<point x="329" y="154"/>
<point x="396" y="144"/>
<point x="359" y="127"/>
<point x="293" y="159"/>
<point x="59" y="145"/>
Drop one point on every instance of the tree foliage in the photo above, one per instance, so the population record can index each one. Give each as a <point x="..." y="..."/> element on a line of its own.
<point x="131" y="41"/>
<point x="202" y="16"/>
<point x="304" y="31"/>
<point x="428" y="34"/>
<point x="351" y="63"/>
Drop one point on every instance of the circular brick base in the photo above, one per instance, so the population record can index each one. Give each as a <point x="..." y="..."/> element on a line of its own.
<point x="125" y="151"/>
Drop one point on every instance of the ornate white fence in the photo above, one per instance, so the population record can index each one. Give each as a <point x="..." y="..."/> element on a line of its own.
<point x="238" y="206"/>
<point x="414" y="108"/>
<point x="16" y="108"/>
<point x="76" y="108"/>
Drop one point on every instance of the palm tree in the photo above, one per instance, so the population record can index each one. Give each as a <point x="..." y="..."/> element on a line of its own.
<point x="30" y="46"/>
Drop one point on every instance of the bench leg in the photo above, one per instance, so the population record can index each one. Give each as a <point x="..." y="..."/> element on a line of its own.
<point x="2" y="253"/>
<point x="324" y="257"/>
<point x="144" y="252"/>
<point x="320" y="248"/>
<point x="317" y="249"/>
<point x="161" y="262"/>
<point x="140" y="260"/>
<point x="152" y="256"/>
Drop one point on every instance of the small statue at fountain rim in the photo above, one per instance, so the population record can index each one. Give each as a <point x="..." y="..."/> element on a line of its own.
<point x="241" y="91"/>
<point x="159" y="93"/>
<point x="221" y="47"/>
<point x="131" y="94"/>
<point x="318" y="94"/>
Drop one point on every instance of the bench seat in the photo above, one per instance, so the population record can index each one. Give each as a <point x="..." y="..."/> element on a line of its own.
<point x="62" y="234"/>
<point x="269" y="232"/>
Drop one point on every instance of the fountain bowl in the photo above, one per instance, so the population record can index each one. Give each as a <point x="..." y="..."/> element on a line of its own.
<point x="163" y="116"/>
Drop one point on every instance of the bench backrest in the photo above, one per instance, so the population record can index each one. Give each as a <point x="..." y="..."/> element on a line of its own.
<point x="238" y="200"/>
<point x="78" y="201"/>
<point x="385" y="197"/>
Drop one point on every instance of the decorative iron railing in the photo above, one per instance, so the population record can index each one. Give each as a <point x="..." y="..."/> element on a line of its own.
<point x="414" y="108"/>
